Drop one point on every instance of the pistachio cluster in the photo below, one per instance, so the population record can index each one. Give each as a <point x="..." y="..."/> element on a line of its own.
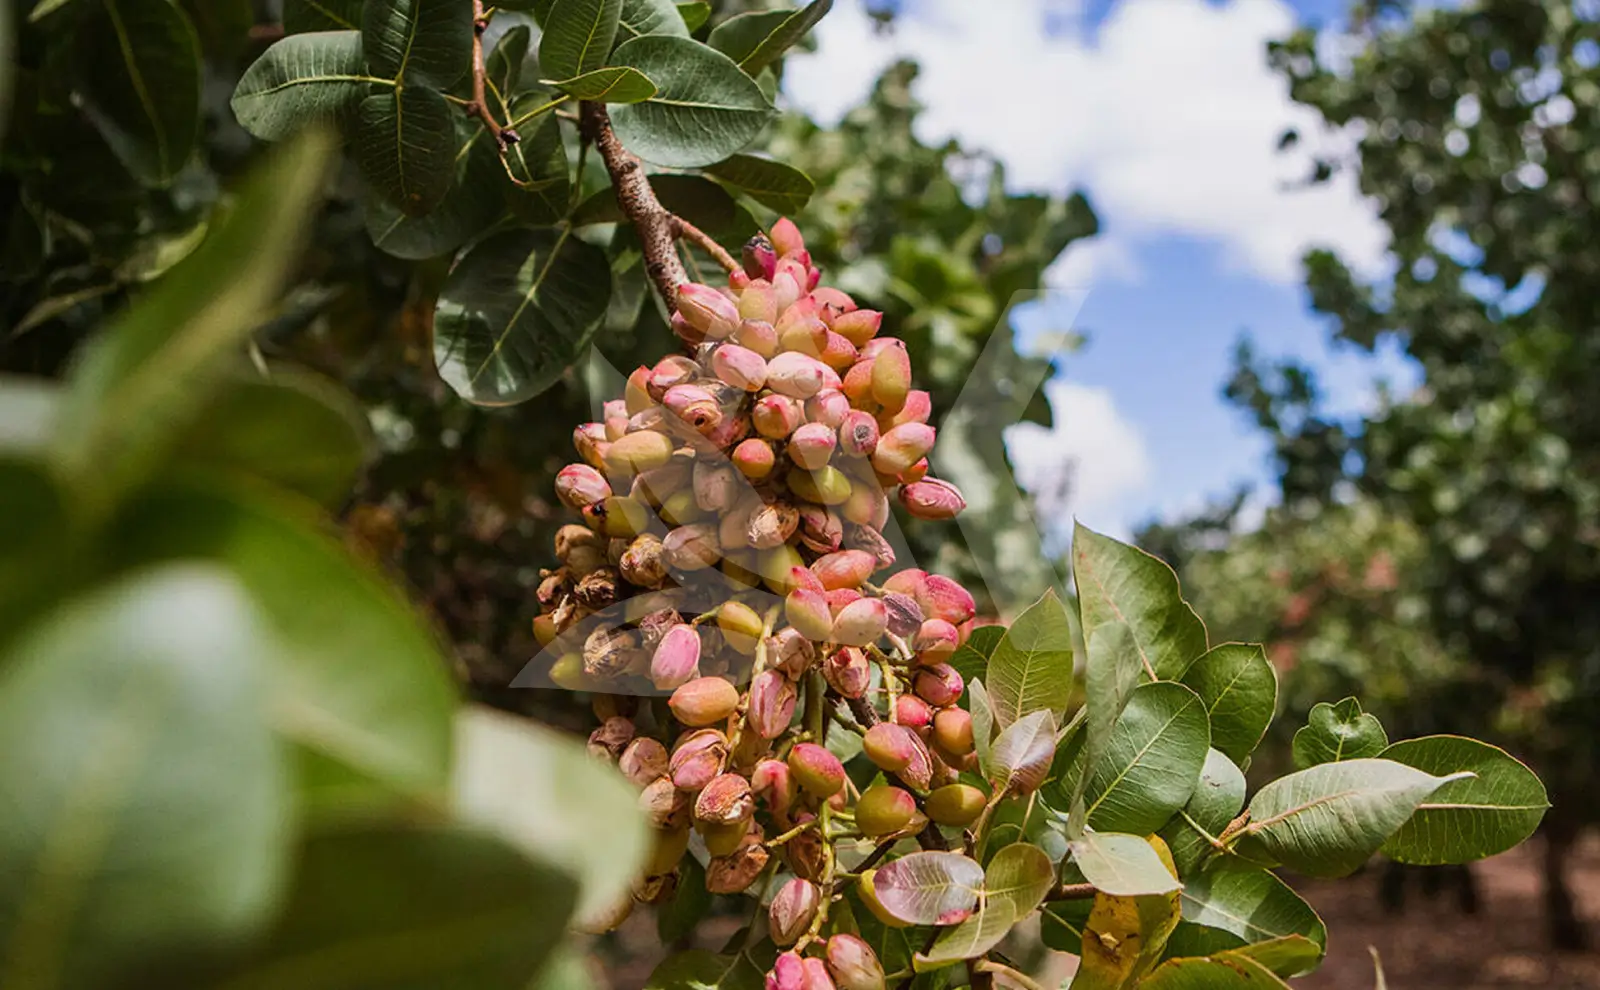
<point x="734" y="508"/>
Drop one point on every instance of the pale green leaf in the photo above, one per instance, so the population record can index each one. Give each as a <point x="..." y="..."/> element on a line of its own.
<point x="1217" y="800"/>
<point x="1111" y="673"/>
<point x="1122" y="865"/>
<point x="1120" y="583"/>
<point x="1152" y="763"/>
<point x="1230" y="904"/>
<point x="982" y="711"/>
<point x="1472" y="818"/>
<point x="1021" y="755"/>
<point x="641" y="17"/>
<point x="1031" y="668"/>
<point x="1338" y="732"/>
<point x="612" y="84"/>
<point x="1240" y="690"/>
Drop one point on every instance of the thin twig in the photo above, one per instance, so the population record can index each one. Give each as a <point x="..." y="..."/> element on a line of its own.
<point x="1072" y="892"/>
<point x="479" y="107"/>
<point x="703" y="240"/>
<point x="1001" y="969"/>
<point x="639" y="204"/>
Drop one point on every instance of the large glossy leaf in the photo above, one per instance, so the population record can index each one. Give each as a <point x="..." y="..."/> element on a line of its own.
<point x="1022" y="753"/>
<point x="1031" y="668"/>
<point x="321" y="15"/>
<point x="543" y="792"/>
<point x="577" y="37"/>
<point x="757" y="39"/>
<point x="612" y="84"/>
<point x="1123" y="865"/>
<point x="360" y="685"/>
<point x="1226" y="972"/>
<point x="541" y="192"/>
<point x="699" y="969"/>
<point x="1326" y="821"/>
<point x="1014" y="884"/>
<point x="704" y="109"/>
<point x="1240" y="690"/>
<point x="1230" y="903"/>
<point x="1120" y="583"/>
<point x="412" y="907"/>
<point x="147" y="806"/>
<point x="301" y="79"/>
<point x="425" y="43"/>
<point x="161" y="359"/>
<point x="516" y="311"/>
<point x="1338" y="732"/>
<point x="475" y="202"/>
<point x="293" y="429"/>
<point x="1468" y="819"/>
<point x="650" y="17"/>
<point x="924" y="888"/>
<point x="698" y="200"/>
<point x="1111" y="674"/>
<point x="774" y="185"/>
<point x="502" y="70"/>
<point x="1152" y="763"/>
<point x="1123" y="936"/>
<point x="138" y="75"/>
<point x="405" y="145"/>
<point x="1217" y="800"/>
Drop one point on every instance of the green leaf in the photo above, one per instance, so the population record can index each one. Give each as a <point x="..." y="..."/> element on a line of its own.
<point x="1240" y="690"/>
<point x="612" y="84"/>
<point x="971" y="659"/>
<point x="982" y="711"/>
<point x="321" y="15"/>
<point x="1122" y="865"/>
<point x="1338" y="732"/>
<point x="300" y="79"/>
<point x="704" y="110"/>
<point x="424" y="43"/>
<point x="35" y="530"/>
<point x="1231" y="903"/>
<point x="689" y="904"/>
<point x="502" y="70"/>
<point x="1226" y="972"/>
<point x="147" y="812"/>
<point x="1111" y="674"/>
<point x="1061" y="925"/>
<point x="1119" y="583"/>
<point x="361" y="685"/>
<point x="294" y="429"/>
<point x="1123" y="937"/>
<point x="475" y="201"/>
<point x="1014" y="884"/>
<point x="923" y="887"/>
<point x="412" y="907"/>
<point x="160" y="360"/>
<point x="1326" y="821"/>
<point x="1022" y="754"/>
<point x="1469" y="819"/>
<point x="1217" y="800"/>
<point x="1152" y="763"/>
<point x="543" y="792"/>
<point x="538" y="163"/>
<point x="774" y="185"/>
<point x="223" y="26"/>
<point x="577" y="36"/>
<point x="694" y="13"/>
<point x="755" y="40"/>
<point x="650" y="17"/>
<point x="1288" y="956"/>
<point x="138" y="75"/>
<point x="405" y="145"/>
<point x="1031" y="669"/>
<point x="700" y="201"/>
<point x="516" y="311"/>
<point x="700" y="969"/>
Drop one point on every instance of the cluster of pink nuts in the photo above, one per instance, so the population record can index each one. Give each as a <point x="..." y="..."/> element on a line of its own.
<point x="761" y="467"/>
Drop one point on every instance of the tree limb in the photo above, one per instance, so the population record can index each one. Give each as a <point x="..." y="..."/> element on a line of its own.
<point x="656" y="227"/>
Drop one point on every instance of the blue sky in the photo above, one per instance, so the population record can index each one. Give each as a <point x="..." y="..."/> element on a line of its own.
<point x="1163" y="112"/>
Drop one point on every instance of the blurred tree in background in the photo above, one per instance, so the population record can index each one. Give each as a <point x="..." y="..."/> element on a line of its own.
<point x="1474" y="133"/>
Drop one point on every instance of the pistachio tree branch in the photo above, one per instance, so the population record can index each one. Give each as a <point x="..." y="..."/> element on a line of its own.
<point x="702" y="240"/>
<point x="656" y="227"/>
<point x="479" y="107"/>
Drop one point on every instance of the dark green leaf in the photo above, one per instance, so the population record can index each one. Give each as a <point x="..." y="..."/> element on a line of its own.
<point x="405" y="145"/>
<point x="113" y="859"/>
<point x="138" y="65"/>
<point x="577" y="37"/>
<point x="160" y="360"/>
<point x="1230" y="904"/>
<point x="1240" y="690"/>
<point x="1468" y="819"/>
<point x="612" y="84"/>
<point x="700" y="201"/>
<point x="223" y="26"/>
<point x="1031" y="669"/>
<point x="698" y="969"/>
<point x="1326" y="821"/>
<point x="424" y="43"/>
<point x="35" y="528"/>
<point x="502" y="70"/>
<point x="1338" y="732"/>
<point x="542" y="189"/>
<point x="542" y="791"/>
<point x="321" y="15"/>
<point x="1120" y="583"/>
<point x="516" y="311"/>
<point x="650" y="17"/>
<point x="1014" y="884"/>
<point x="475" y="201"/>
<point x="1061" y="925"/>
<point x="294" y="429"/>
<point x="923" y="887"/>
<point x="694" y="13"/>
<point x="1122" y="865"/>
<point x="299" y="80"/>
<point x="1217" y="800"/>
<point x="412" y="907"/>
<point x="361" y="684"/>
<point x="773" y="184"/>
<point x="689" y="904"/>
<point x="705" y="109"/>
<point x="755" y="40"/>
<point x="1152" y="763"/>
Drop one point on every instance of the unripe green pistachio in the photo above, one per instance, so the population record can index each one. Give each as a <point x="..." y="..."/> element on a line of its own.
<point x="740" y="625"/>
<point x="952" y="731"/>
<point x="884" y="809"/>
<point x="722" y="839"/>
<point x="637" y="452"/>
<point x="890" y="746"/>
<point x="956" y="805"/>
<point x="807" y="611"/>
<point x="826" y="485"/>
<point x="669" y="847"/>
<point x="816" y="771"/>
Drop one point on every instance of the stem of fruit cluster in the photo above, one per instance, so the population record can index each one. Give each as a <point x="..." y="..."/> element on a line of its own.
<point x="702" y="240"/>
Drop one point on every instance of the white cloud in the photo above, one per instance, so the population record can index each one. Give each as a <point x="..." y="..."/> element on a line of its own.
<point x="1089" y="463"/>
<point x="1167" y="114"/>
